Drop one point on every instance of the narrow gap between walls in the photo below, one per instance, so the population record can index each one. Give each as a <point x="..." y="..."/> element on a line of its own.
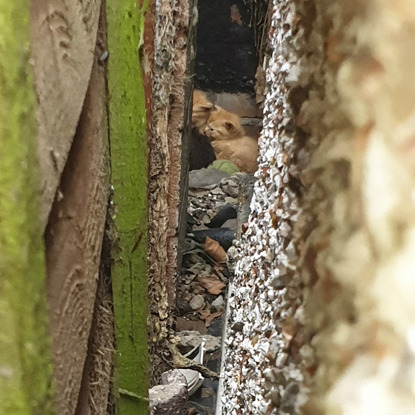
<point x="226" y="125"/>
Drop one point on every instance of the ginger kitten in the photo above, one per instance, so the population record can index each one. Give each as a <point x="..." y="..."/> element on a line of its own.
<point x="229" y="141"/>
<point x="201" y="153"/>
<point x="223" y="124"/>
<point x="201" y="110"/>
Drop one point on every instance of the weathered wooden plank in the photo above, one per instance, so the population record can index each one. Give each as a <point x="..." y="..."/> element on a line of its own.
<point x="168" y="166"/>
<point x="146" y="55"/>
<point x="73" y="241"/>
<point x="129" y="177"/>
<point x="63" y="41"/>
<point x="25" y="369"/>
<point x="96" y="378"/>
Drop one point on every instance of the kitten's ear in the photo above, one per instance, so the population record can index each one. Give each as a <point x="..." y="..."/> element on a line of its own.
<point x="229" y="125"/>
<point x="215" y="108"/>
<point x="206" y="107"/>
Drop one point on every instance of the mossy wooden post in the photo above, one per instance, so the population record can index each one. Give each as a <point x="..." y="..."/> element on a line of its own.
<point x="25" y="356"/>
<point x="129" y="177"/>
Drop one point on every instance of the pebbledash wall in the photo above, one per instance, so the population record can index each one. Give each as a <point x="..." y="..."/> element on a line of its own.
<point x="321" y="314"/>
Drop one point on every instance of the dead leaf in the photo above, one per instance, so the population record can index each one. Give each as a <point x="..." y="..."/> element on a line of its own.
<point x="274" y="219"/>
<point x="214" y="249"/>
<point x="208" y="316"/>
<point x="244" y="227"/>
<point x="185" y="325"/>
<point x="212" y="284"/>
<point x="236" y="15"/>
<point x="218" y="270"/>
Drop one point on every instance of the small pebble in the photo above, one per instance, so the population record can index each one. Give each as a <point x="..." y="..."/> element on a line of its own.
<point x="219" y="302"/>
<point x="197" y="302"/>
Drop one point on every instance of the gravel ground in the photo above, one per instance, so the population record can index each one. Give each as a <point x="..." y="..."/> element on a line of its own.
<point x="217" y="209"/>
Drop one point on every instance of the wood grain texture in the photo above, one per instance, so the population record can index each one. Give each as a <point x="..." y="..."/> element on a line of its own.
<point x="168" y="158"/>
<point x="25" y="353"/>
<point x="98" y="368"/>
<point x="96" y="380"/>
<point x="128" y="142"/>
<point x="63" y="42"/>
<point x="73" y="240"/>
<point x="146" y="55"/>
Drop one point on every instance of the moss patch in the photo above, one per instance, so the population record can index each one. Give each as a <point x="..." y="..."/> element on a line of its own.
<point x="25" y="368"/>
<point x="129" y="177"/>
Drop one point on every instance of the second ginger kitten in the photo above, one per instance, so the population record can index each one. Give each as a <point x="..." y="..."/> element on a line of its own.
<point x="201" y="110"/>
<point x="201" y="152"/>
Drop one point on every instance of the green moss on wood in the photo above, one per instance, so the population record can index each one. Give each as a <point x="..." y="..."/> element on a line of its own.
<point x="129" y="177"/>
<point x="25" y="356"/>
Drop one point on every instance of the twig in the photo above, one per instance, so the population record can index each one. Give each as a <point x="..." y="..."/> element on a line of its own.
<point x="181" y="362"/>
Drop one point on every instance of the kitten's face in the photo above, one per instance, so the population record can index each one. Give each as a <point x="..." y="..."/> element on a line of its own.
<point x="223" y="125"/>
<point x="201" y="109"/>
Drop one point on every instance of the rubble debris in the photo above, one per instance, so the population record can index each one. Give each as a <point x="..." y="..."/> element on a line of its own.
<point x="214" y="199"/>
<point x="171" y="396"/>
<point x="224" y="236"/>
<point x="192" y="338"/>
